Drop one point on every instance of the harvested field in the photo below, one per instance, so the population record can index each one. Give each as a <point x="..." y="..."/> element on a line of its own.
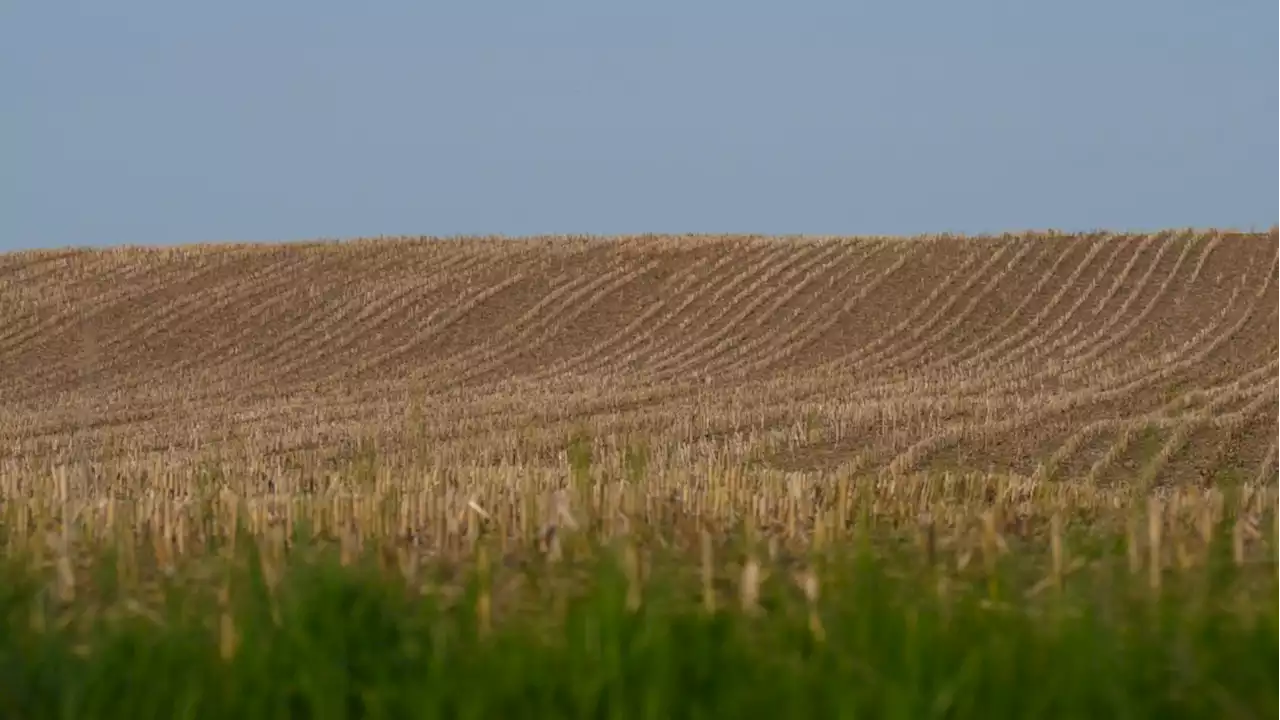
<point x="1035" y="354"/>
<point x="1001" y="458"/>
<point x="739" y="375"/>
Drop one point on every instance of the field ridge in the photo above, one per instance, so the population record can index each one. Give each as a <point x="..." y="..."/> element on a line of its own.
<point x="1028" y="353"/>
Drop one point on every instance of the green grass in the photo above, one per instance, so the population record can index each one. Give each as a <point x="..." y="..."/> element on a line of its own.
<point x="330" y="641"/>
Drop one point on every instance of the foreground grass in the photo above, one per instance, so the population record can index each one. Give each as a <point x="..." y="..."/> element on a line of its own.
<point x="885" y="636"/>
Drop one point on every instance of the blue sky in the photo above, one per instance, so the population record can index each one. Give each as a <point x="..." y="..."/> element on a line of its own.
<point x="171" y="122"/>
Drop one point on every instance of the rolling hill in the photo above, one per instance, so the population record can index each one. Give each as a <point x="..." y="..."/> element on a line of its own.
<point x="1104" y="357"/>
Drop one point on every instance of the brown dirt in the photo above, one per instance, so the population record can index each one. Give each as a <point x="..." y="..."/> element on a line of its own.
<point x="936" y="353"/>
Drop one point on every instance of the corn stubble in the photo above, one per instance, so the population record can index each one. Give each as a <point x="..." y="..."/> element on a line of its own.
<point x="649" y="476"/>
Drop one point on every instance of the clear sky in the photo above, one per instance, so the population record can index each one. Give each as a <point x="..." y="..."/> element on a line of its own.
<point x="163" y="122"/>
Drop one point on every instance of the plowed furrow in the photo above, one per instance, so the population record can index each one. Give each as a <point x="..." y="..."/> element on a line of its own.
<point x="1093" y="350"/>
<point x="1048" y="342"/>
<point x="636" y="391"/>
<point x="192" y="332"/>
<point x="530" y="341"/>
<point x="868" y="286"/>
<point x="986" y="348"/>
<point x="1081" y="385"/>
<point x="62" y="307"/>
<point x="702" y="314"/>
<point x="1021" y="282"/>
<point x="61" y="364"/>
<point x="653" y="340"/>
<point x="111" y="292"/>
<point x="1214" y="242"/>
<point x="1012" y="363"/>
<point x="437" y="321"/>
<point x="914" y="317"/>
<point x="404" y="323"/>
<point x="802" y="297"/>
<point x="365" y="285"/>
<point x="551" y="303"/>
<point x="736" y="308"/>
<point x="1103" y="391"/>
<point x="1147" y="360"/>
<point x="577" y="275"/>
<point x="1004" y="370"/>
<point x="828" y="292"/>
<point x="918" y="345"/>
<point x="256" y="303"/>
<point x="1111" y="329"/>
<point x="546" y="313"/>
<point x="34" y="268"/>
<point x="771" y="295"/>
<point x="1040" y="296"/>
<point x="1093" y="400"/>
<point x="190" y="322"/>
<point x="1151" y="468"/>
<point x="1258" y="391"/>
<point x="684" y="282"/>
<point x="1041" y="367"/>
<point x="329" y="344"/>
<point x="917" y="324"/>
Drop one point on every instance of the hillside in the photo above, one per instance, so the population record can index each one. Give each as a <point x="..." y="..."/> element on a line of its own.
<point x="1106" y="357"/>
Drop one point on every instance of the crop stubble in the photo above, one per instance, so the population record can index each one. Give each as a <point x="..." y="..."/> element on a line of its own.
<point x="1043" y="369"/>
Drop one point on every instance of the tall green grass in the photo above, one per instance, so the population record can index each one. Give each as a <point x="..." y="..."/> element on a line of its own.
<point x="889" y="636"/>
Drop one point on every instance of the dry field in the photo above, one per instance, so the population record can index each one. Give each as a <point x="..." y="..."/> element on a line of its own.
<point x="385" y="384"/>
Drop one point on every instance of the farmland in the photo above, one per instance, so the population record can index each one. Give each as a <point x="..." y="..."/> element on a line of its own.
<point x="1051" y="447"/>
